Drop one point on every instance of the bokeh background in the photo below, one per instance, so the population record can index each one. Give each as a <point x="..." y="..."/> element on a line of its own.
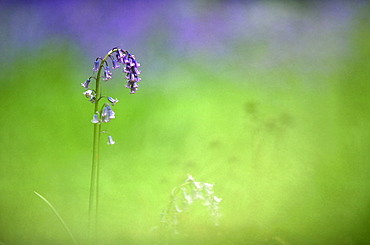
<point x="268" y="100"/>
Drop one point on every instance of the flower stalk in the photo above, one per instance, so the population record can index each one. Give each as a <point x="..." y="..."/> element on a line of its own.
<point x="104" y="115"/>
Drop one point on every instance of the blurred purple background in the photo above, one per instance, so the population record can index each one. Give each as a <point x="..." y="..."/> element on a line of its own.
<point x="219" y="31"/>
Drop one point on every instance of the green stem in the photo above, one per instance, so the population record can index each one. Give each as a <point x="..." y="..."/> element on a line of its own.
<point x="93" y="205"/>
<point x="94" y="184"/>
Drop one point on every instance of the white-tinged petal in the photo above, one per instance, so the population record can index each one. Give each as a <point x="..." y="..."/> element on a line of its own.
<point x="217" y="199"/>
<point x="95" y="119"/>
<point x="110" y="140"/>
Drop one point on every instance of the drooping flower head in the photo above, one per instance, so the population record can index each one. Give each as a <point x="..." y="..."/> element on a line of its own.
<point x="130" y="68"/>
<point x="132" y="73"/>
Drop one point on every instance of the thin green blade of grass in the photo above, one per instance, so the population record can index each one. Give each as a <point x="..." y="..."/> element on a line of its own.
<point x="59" y="217"/>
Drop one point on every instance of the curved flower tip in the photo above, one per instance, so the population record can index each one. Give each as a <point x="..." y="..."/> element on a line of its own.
<point x="130" y="68"/>
<point x="110" y="140"/>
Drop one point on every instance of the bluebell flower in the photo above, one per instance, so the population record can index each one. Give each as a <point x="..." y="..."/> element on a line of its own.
<point x="107" y="74"/>
<point x="107" y="113"/>
<point x="126" y="58"/>
<point x="112" y="114"/>
<point x="90" y="94"/>
<point x="112" y="101"/>
<point x="135" y="70"/>
<point x="86" y="83"/>
<point x="110" y="140"/>
<point x="133" y="86"/>
<point x="115" y="64"/>
<point x="96" y="65"/>
<point x="120" y="54"/>
<point x="95" y="119"/>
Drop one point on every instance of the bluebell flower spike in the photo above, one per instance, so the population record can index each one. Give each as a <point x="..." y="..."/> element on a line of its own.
<point x="102" y="70"/>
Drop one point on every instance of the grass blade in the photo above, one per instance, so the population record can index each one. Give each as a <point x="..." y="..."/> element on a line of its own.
<point x="59" y="217"/>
